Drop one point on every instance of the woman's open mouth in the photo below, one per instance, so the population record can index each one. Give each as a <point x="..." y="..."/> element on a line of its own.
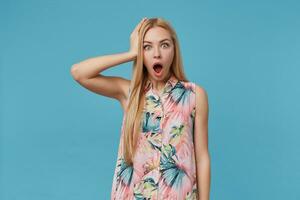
<point x="157" y="67"/>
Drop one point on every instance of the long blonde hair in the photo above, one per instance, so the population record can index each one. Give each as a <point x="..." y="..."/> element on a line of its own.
<point x="134" y="109"/>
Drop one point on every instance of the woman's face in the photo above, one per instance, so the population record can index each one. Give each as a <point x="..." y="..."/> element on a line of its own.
<point x="158" y="47"/>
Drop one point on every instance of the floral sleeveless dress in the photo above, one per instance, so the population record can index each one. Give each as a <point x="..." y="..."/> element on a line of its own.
<point x="164" y="164"/>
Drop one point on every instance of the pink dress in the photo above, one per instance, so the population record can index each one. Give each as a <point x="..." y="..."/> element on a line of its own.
<point x="164" y="165"/>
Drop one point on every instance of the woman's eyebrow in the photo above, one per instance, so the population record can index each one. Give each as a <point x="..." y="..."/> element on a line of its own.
<point x="159" y="41"/>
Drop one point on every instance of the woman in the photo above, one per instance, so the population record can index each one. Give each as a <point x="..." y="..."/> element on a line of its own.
<point x="163" y="150"/>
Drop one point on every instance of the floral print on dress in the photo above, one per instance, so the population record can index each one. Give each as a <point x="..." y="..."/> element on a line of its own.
<point x="164" y="165"/>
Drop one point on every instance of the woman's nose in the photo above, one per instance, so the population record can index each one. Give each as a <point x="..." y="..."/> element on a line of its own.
<point x="156" y="52"/>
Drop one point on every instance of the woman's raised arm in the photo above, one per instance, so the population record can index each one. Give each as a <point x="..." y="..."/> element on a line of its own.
<point x="87" y="72"/>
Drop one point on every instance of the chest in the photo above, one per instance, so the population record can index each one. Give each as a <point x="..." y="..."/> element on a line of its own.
<point x="174" y="108"/>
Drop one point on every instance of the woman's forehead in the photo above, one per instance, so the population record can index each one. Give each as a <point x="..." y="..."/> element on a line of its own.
<point x="156" y="34"/>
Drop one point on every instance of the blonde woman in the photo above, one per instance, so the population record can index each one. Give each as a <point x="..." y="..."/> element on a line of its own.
<point x="163" y="150"/>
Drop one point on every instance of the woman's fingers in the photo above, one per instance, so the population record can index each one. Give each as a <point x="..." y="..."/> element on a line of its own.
<point x="134" y="36"/>
<point x="140" y="24"/>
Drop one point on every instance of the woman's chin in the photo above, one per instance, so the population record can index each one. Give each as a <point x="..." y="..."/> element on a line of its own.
<point x="158" y="74"/>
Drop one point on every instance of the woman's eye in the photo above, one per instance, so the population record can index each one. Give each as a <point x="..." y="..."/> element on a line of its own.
<point x="145" y="47"/>
<point x="166" y="44"/>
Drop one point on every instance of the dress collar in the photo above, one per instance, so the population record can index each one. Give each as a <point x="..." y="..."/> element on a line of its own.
<point x="171" y="82"/>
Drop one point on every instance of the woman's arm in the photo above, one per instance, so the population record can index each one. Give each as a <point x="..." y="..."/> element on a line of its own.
<point x="93" y="66"/>
<point x="201" y="144"/>
<point x="87" y="71"/>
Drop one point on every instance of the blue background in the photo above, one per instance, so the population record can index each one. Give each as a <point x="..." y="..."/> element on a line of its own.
<point x="59" y="141"/>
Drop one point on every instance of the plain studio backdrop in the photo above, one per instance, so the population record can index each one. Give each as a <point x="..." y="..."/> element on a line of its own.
<point x="59" y="141"/>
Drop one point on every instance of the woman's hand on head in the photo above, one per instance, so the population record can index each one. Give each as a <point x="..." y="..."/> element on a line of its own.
<point x="134" y="37"/>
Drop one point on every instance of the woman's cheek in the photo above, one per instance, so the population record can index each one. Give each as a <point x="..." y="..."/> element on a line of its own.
<point x="170" y="55"/>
